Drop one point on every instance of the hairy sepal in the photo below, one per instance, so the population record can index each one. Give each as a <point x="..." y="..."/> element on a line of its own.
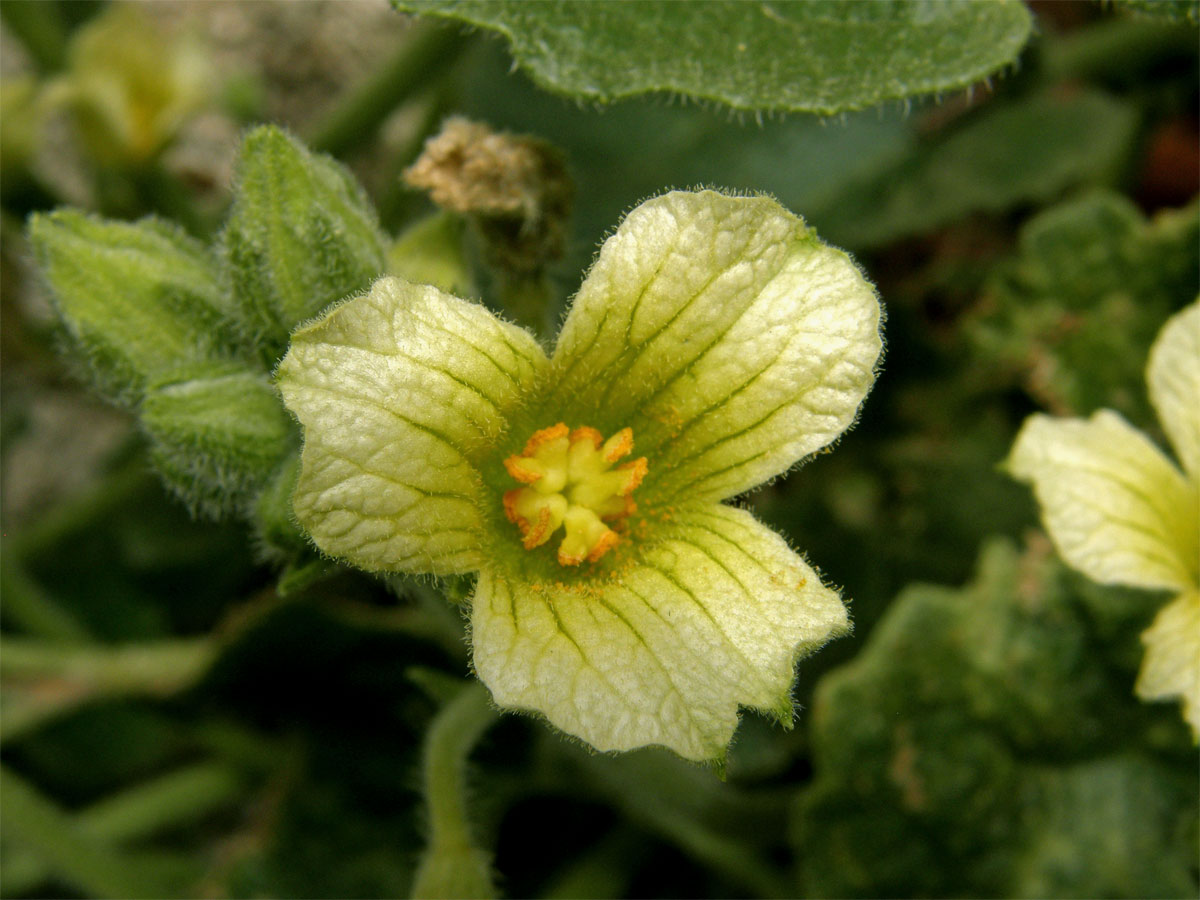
<point x="218" y="431"/>
<point x="136" y="300"/>
<point x="301" y="236"/>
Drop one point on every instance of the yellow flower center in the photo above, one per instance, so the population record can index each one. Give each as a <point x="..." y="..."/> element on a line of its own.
<point x="569" y="481"/>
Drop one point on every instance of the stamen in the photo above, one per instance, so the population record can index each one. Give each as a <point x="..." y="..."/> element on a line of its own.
<point x="587" y="434"/>
<point x="520" y="469"/>
<point x="544" y="436"/>
<point x="637" y="471"/>
<point x="570" y="482"/>
<point x="618" y="445"/>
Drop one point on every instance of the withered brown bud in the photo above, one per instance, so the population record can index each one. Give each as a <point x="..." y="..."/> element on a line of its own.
<point x="515" y="188"/>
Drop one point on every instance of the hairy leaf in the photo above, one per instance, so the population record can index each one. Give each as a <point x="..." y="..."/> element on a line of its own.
<point x="1073" y="314"/>
<point x="1174" y="10"/>
<point x="992" y="743"/>
<point x="822" y="57"/>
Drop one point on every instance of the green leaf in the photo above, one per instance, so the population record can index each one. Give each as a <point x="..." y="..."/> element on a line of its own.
<point x="822" y="57"/>
<point x="135" y="299"/>
<point x="682" y="145"/>
<point x="1073" y="314"/>
<point x="1027" y="151"/>
<point x="301" y="236"/>
<point x="218" y="433"/>
<point x="991" y="741"/>
<point x="1172" y="10"/>
<point x="722" y="827"/>
<point x="1113" y="827"/>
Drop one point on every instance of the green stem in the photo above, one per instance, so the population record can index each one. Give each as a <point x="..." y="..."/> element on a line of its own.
<point x="441" y="627"/>
<point x="44" y="679"/>
<point x="731" y="858"/>
<point x="398" y="204"/>
<point x="421" y="59"/>
<point x="26" y="603"/>
<point x="40" y="28"/>
<point x="178" y="798"/>
<point x="158" y="669"/>
<point x="70" y="852"/>
<point x="242" y="747"/>
<point x="527" y="300"/>
<point x="452" y="866"/>
<point x="652" y="792"/>
<point x="603" y="870"/>
<point x="30" y="607"/>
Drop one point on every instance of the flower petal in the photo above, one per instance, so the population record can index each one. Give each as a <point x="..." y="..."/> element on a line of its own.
<point x="710" y="614"/>
<point x="398" y="390"/>
<point x="1173" y="378"/>
<point x="1172" y="664"/>
<point x="1114" y="505"/>
<point x="731" y="339"/>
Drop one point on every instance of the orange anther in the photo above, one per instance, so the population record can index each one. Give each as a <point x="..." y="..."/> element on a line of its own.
<point x="637" y="470"/>
<point x="625" y="512"/>
<point x="577" y="486"/>
<point x="544" y="436"/>
<point x="516" y="468"/>
<point x="586" y="433"/>
<point x="607" y="541"/>
<point x="618" y="445"/>
<point x="538" y="531"/>
<point x="566" y="559"/>
<point x="510" y="508"/>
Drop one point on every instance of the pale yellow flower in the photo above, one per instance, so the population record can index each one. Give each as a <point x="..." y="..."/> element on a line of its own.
<point x="130" y="87"/>
<point x="714" y="344"/>
<point x="1121" y="512"/>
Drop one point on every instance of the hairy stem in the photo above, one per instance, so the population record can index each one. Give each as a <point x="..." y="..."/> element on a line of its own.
<point x="452" y="866"/>
<point x="420" y="60"/>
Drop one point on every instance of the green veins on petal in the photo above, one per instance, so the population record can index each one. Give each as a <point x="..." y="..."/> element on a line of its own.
<point x="728" y="339"/>
<point x="1120" y="511"/>
<point x="725" y="334"/>
<point x="709" y="616"/>
<point x="1117" y="509"/>
<point x="398" y="390"/>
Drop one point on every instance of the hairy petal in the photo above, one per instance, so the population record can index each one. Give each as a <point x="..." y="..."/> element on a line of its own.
<point x="1172" y="664"/>
<point x="1114" y="505"/>
<point x="732" y="340"/>
<point x="1173" y="378"/>
<point x="709" y="614"/>
<point x="398" y="391"/>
